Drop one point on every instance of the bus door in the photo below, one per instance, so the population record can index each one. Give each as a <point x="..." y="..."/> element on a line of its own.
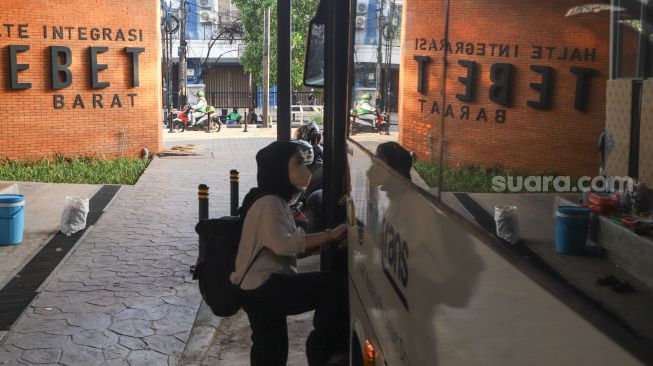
<point x="327" y="66"/>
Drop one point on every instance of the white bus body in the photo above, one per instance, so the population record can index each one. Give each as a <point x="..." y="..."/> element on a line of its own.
<point x="426" y="290"/>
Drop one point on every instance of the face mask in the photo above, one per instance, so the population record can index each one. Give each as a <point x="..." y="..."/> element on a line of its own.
<point x="299" y="174"/>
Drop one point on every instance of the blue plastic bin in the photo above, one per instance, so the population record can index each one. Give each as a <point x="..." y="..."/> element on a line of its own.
<point x="571" y="229"/>
<point x="12" y="218"/>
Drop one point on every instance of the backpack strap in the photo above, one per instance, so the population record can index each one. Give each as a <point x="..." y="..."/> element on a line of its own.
<point x="249" y="267"/>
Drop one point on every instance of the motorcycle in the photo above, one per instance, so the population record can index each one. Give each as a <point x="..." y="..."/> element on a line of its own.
<point x="186" y="119"/>
<point x="181" y="120"/>
<point x="363" y="120"/>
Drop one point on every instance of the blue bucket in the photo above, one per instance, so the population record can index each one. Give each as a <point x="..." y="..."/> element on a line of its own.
<point x="571" y="229"/>
<point x="12" y="218"/>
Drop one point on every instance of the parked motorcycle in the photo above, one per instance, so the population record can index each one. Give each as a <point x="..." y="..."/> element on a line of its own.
<point x="362" y="120"/>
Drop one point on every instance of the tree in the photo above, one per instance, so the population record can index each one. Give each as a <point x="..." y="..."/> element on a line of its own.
<point x="230" y="30"/>
<point x="251" y="12"/>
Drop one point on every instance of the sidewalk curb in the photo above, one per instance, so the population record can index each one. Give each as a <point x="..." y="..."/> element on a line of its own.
<point x="201" y="336"/>
<point x="9" y="188"/>
<point x="56" y="269"/>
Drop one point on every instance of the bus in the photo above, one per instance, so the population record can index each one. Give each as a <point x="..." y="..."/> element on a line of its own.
<point x="507" y="107"/>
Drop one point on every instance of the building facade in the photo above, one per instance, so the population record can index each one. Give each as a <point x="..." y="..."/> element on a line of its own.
<point x="530" y="94"/>
<point x="212" y="55"/>
<point x="82" y="82"/>
<point x="377" y="50"/>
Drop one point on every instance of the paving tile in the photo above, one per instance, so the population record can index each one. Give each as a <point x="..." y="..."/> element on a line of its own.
<point x="36" y="340"/>
<point x="79" y="355"/>
<point x="116" y="352"/>
<point x="147" y="358"/>
<point x="143" y="302"/>
<point x="132" y="343"/>
<point x="35" y="323"/>
<point x="10" y="354"/>
<point x="164" y="344"/>
<point x="42" y="356"/>
<point x="133" y="327"/>
<point x="169" y="327"/>
<point x="96" y="338"/>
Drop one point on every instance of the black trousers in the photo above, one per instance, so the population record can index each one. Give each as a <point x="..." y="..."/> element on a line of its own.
<point x="282" y="295"/>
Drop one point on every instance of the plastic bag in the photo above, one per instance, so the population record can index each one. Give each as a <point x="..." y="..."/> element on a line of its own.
<point x="505" y="218"/>
<point x="74" y="215"/>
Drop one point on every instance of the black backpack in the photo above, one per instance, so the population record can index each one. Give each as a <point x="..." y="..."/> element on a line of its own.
<point x="218" y="247"/>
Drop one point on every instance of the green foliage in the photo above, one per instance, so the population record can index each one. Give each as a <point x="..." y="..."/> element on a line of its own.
<point x="471" y="178"/>
<point x="79" y="169"/>
<point x="252" y="15"/>
<point x="317" y="118"/>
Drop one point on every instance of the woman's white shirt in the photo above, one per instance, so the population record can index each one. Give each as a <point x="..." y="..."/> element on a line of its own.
<point x="269" y="227"/>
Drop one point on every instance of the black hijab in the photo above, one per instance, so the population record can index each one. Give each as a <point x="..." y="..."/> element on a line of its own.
<point x="272" y="173"/>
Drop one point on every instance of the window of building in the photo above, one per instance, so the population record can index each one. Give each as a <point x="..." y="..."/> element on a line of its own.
<point x="224" y="9"/>
<point x="207" y="30"/>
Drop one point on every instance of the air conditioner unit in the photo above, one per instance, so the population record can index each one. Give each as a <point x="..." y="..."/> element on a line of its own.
<point x="206" y="4"/>
<point x="360" y="22"/>
<point x="206" y="16"/>
<point x="361" y="8"/>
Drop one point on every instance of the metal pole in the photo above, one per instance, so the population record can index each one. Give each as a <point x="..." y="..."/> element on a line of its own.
<point x="338" y="68"/>
<point x="266" y="66"/>
<point x="379" y="56"/>
<point x="247" y="112"/>
<point x="169" y="52"/>
<point x="284" y="81"/>
<point x="234" y="178"/>
<point x="337" y="58"/>
<point x="444" y="100"/>
<point x="164" y="69"/>
<point x="203" y="198"/>
<point x="182" y="56"/>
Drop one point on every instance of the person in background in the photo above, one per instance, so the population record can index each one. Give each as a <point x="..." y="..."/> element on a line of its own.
<point x="363" y="105"/>
<point x="234" y="117"/>
<point x="310" y="132"/>
<point x="252" y="118"/>
<point x="199" y="109"/>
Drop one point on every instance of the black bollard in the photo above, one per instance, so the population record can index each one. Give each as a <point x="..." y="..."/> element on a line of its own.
<point x="203" y="198"/>
<point x="233" y="178"/>
<point x="208" y="123"/>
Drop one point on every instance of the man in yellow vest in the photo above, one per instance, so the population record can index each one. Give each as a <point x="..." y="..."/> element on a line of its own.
<point x="199" y="107"/>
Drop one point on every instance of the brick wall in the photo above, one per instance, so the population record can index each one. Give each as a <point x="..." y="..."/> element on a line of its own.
<point x="34" y="126"/>
<point x="560" y="138"/>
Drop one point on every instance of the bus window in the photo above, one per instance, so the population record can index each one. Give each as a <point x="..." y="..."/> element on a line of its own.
<point x="314" y="64"/>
